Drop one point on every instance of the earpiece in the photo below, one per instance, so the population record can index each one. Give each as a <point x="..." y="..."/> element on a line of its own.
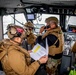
<point x="13" y="30"/>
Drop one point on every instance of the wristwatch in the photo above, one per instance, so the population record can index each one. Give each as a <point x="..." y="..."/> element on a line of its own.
<point x="39" y="62"/>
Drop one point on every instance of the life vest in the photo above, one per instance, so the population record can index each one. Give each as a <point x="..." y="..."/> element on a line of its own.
<point x="58" y="33"/>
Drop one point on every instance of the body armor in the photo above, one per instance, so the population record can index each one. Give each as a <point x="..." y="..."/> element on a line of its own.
<point x="31" y="39"/>
<point x="58" y="33"/>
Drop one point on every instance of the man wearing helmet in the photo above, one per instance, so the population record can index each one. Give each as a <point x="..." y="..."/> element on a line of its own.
<point x="29" y="42"/>
<point x="30" y="37"/>
<point x="16" y="60"/>
<point x="55" y="39"/>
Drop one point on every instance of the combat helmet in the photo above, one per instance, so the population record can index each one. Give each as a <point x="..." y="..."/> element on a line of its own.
<point x="53" y="19"/>
<point x="29" y="24"/>
<point x="29" y="27"/>
<point x="15" y="31"/>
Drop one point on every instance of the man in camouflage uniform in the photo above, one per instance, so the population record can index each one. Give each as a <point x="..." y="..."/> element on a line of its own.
<point x="30" y="36"/>
<point x="55" y="40"/>
<point x="30" y="40"/>
<point x="16" y="60"/>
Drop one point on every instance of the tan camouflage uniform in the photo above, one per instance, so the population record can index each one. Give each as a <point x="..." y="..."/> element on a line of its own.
<point x="16" y="60"/>
<point x="52" y="64"/>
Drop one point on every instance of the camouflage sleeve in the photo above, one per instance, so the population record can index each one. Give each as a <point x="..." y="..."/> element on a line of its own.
<point x="19" y="65"/>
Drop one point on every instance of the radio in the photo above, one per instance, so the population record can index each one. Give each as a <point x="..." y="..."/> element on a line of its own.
<point x="46" y="27"/>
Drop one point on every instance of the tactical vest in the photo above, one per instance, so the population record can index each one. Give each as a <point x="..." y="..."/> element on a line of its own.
<point x="58" y="33"/>
<point x="4" y="50"/>
<point x="31" y="39"/>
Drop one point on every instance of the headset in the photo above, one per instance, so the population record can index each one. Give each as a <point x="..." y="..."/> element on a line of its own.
<point x="15" y="31"/>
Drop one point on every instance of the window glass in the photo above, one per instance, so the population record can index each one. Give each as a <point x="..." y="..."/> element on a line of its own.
<point x="41" y="18"/>
<point x="20" y="19"/>
<point x="9" y="19"/>
<point x="71" y="23"/>
<point x="40" y="21"/>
